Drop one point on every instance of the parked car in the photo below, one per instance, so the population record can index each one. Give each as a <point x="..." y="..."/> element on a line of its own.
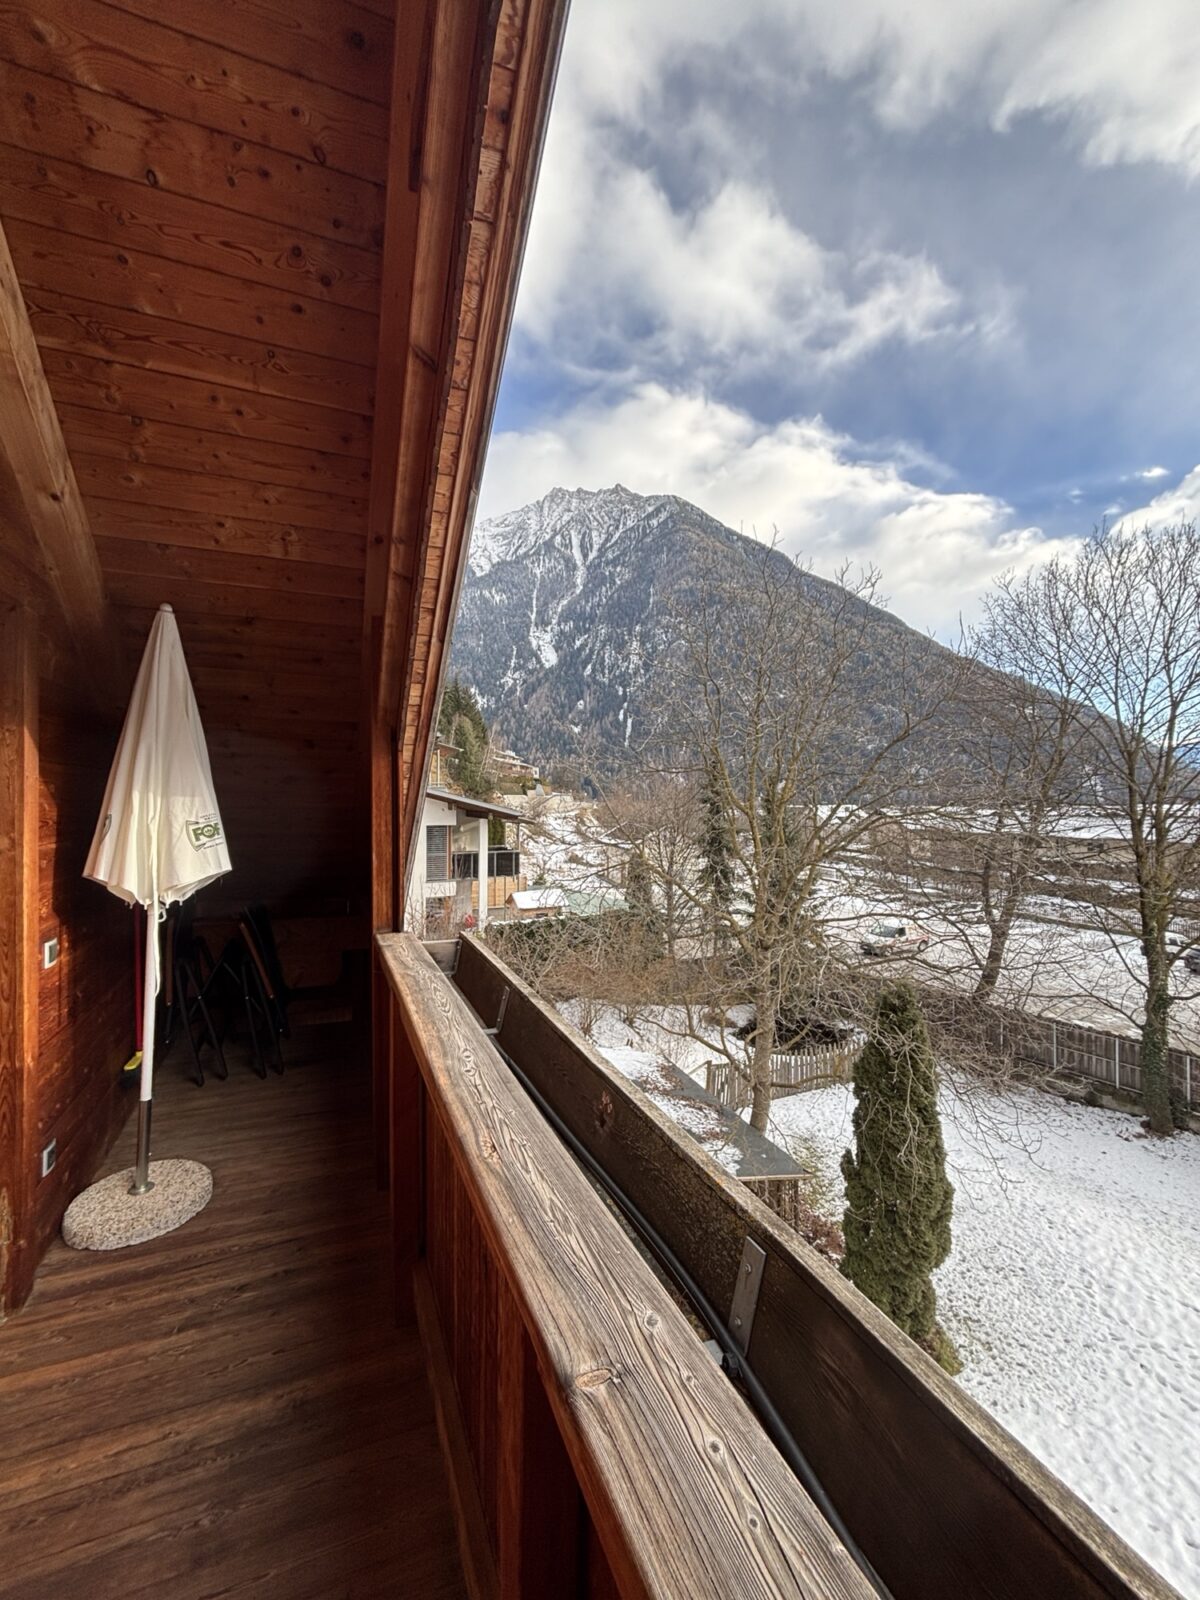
<point x="1192" y="961"/>
<point x="895" y="937"/>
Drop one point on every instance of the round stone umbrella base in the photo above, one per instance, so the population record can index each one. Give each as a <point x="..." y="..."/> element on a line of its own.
<point x="108" y="1217"/>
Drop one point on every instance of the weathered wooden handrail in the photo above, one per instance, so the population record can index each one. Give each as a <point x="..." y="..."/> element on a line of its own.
<point x="568" y="1369"/>
<point x="943" y="1501"/>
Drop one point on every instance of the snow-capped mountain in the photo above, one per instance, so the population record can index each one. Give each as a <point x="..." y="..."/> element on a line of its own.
<point x="563" y="610"/>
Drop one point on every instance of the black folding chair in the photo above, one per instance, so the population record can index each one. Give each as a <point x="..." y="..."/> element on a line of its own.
<point x="188" y="976"/>
<point x="243" y="976"/>
<point x="263" y="997"/>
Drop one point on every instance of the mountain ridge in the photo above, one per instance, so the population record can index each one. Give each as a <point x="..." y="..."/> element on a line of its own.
<point x="564" y="608"/>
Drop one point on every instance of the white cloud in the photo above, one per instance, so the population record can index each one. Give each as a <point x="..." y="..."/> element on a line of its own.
<point x="617" y="274"/>
<point x="1150" y="473"/>
<point x="828" y="499"/>
<point x="1122" y="79"/>
<point x="1180" y="504"/>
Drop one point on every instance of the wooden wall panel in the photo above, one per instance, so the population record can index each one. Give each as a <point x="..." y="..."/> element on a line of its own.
<point x="86" y="1001"/>
<point x="195" y="201"/>
<point x="18" y="922"/>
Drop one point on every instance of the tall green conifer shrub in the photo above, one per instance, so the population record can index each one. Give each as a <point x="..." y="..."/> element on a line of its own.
<point x="898" y="1197"/>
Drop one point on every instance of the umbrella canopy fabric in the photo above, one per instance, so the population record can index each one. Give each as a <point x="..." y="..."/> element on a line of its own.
<point x="159" y="838"/>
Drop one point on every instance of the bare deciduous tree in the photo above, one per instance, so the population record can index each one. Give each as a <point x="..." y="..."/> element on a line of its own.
<point x="1112" y="637"/>
<point x="767" y="709"/>
<point x="976" y="857"/>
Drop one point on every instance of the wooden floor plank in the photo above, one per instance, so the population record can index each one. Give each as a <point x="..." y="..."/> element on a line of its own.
<point x="230" y="1411"/>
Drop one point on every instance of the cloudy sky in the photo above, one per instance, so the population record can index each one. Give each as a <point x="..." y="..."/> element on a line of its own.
<point x="917" y="285"/>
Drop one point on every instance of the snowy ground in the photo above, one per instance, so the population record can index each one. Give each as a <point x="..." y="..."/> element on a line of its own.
<point x="1054" y="968"/>
<point x="1072" y="1291"/>
<point x="1073" y="1295"/>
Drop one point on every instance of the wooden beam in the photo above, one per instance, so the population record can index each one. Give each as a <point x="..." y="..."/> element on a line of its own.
<point x="430" y="192"/>
<point x="410" y="77"/>
<point x="32" y="445"/>
<point x="18" y="940"/>
<point x="427" y="568"/>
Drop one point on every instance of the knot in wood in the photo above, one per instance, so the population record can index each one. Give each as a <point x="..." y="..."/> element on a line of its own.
<point x="604" y="1110"/>
<point x="596" y="1377"/>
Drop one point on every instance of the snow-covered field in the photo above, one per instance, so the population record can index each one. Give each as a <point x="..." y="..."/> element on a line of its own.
<point x="1054" y="968"/>
<point x="1072" y="1291"/>
<point x="1073" y="1295"/>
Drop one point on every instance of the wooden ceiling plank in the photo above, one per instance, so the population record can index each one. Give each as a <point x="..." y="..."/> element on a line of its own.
<point x="36" y="187"/>
<point x="75" y="325"/>
<point x="126" y="437"/>
<point x="192" y="597"/>
<point x="292" y="680"/>
<point x="32" y="443"/>
<point x="127" y="519"/>
<point x="282" y="578"/>
<point x="64" y="121"/>
<point x="240" y="742"/>
<point x="339" y="673"/>
<point x="347" y="45"/>
<point x="253" y="638"/>
<point x="206" y="491"/>
<point x="138" y="60"/>
<point x="236" y="413"/>
<point x="123" y="278"/>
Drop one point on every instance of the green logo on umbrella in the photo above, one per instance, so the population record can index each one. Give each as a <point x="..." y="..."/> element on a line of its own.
<point x="204" y="834"/>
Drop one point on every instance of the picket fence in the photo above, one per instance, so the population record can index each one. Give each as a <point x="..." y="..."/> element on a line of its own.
<point x="790" y="1074"/>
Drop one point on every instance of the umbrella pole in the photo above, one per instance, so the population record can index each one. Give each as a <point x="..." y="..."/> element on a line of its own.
<point x="141" y="1178"/>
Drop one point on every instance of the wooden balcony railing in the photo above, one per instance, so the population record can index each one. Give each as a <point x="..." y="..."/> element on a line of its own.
<point x="568" y="1364"/>
<point x="596" y="1448"/>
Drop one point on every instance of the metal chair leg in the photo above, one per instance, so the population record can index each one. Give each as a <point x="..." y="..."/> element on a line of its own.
<point x="221" y="1066"/>
<point x="260" y="1066"/>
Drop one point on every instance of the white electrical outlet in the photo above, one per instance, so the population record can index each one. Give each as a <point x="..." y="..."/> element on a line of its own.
<point x="49" y="952"/>
<point x="49" y="1157"/>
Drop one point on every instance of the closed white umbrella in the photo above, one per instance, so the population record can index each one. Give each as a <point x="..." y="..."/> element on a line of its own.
<point x="159" y="837"/>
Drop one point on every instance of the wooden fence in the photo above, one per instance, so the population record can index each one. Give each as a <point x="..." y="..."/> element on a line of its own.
<point x="790" y="1074"/>
<point x="1070" y="1050"/>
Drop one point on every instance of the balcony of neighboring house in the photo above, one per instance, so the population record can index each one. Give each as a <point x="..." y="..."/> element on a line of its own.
<point x="461" y="877"/>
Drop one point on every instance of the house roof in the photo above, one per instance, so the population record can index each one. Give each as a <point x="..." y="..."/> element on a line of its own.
<point x="539" y="899"/>
<point x="473" y="807"/>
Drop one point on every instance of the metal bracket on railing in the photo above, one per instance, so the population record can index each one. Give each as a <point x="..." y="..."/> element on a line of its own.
<point x="492" y="1032"/>
<point x="745" y="1294"/>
